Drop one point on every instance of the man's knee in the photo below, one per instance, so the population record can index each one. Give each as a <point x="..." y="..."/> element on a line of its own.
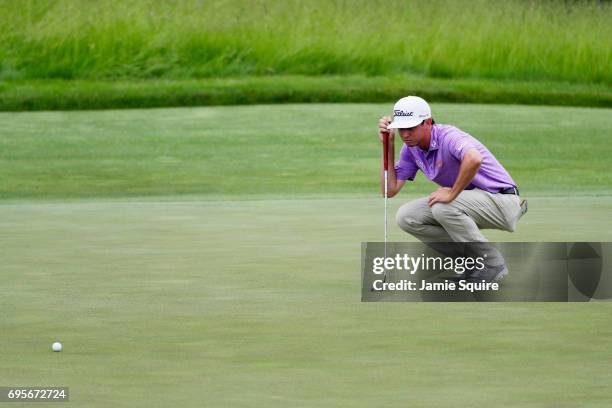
<point x="441" y="211"/>
<point x="407" y="221"/>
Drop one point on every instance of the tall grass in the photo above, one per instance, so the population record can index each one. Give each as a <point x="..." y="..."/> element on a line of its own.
<point x="513" y="39"/>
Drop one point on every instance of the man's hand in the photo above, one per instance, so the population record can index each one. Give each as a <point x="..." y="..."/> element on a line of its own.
<point x="468" y="169"/>
<point x="442" y="195"/>
<point x="382" y="128"/>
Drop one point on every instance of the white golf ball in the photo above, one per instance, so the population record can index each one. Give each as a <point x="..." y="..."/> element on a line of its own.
<point x="57" y="346"/>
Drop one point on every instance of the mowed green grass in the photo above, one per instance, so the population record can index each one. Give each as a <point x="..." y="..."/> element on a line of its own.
<point x="210" y="257"/>
<point x="244" y="152"/>
<point x="257" y="304"/>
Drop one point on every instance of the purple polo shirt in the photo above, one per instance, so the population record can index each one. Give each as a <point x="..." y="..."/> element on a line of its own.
<point x="441" y="162"/>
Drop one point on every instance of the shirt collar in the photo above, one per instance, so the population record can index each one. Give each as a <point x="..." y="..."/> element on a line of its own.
<point x="434" y="143"/>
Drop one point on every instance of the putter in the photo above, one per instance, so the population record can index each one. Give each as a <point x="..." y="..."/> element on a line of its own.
<point x="386" y="168"/>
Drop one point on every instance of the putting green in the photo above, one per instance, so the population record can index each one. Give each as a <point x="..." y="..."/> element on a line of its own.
<point x="256" y="303"/>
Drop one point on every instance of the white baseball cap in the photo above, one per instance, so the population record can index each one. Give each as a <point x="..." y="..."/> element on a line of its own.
<point x="409" y="112"/>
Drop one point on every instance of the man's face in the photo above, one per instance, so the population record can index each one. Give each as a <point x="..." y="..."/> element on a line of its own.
<point x="415" y="135"/>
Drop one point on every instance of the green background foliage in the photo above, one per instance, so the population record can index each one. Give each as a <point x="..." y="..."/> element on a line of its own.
<point x="169" y="46"/>
<point x="552" y="40"/>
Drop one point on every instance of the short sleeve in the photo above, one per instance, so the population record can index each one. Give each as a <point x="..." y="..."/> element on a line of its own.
<point x="459" y="144"/>
<point x="405" y="167"/>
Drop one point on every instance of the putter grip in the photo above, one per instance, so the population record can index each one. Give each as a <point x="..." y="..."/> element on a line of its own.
<point x="386" y="150"/>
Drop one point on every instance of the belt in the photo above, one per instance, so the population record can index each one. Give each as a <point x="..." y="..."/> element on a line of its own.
<point x="509" y="190"/>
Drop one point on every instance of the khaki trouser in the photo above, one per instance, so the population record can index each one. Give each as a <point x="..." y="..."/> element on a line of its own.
<point x="461" y="219"/>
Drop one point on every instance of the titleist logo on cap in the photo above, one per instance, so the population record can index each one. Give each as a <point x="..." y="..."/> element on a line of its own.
<point x="402" y="113"/>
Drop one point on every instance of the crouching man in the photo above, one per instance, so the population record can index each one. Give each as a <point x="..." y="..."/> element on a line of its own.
<point x="476" y="192"/>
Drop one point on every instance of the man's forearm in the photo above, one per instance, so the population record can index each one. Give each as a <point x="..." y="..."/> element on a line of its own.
<point x="469" y="167"/>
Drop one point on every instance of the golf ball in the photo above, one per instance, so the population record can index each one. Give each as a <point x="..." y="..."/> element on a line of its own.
<point x="57" y="346"/>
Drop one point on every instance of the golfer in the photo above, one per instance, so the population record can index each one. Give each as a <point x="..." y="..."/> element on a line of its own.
<point x="476" y="191"/>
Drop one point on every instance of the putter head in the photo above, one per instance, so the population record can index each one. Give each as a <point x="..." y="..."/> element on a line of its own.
<point x="384" y="281"/>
